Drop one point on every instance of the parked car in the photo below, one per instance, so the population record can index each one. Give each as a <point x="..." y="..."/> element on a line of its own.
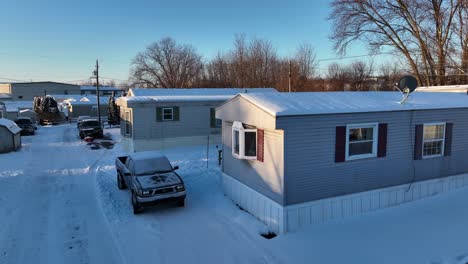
<point x="26" y="124"/>
<point x="151" y="179"/>
<point x="80" y="119"/>
<point x="91" y="128"/>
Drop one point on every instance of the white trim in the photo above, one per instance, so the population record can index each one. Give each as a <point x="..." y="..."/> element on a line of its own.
<point x="128" y="117"/>
<point x="434" y="140"/>
<point x="375" y="140"/>
<point x="172" y="113"/>
<point x="237" y="126"/>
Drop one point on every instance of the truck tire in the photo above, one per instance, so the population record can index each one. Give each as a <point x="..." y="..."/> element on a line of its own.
<point x="81" y="136"/>
<point x="120" y="182"/>
<point x="137" y="209"/>
<point x="181" y="203"/>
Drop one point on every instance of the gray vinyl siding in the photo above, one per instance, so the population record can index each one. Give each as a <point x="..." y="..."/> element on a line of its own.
<point x="87" y="110"/>
<point x="311" y="171"/>
<point x="27" y="91"/>
<point x="194" y="120"/>
<point x="265" y="177"/>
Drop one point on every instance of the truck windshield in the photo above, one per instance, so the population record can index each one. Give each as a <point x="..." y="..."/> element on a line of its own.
<point x="152" y="166"/>
<point x="90" y="124"/>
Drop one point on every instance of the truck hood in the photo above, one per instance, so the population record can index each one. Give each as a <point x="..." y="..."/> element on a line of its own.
<point x="158" y="180"/>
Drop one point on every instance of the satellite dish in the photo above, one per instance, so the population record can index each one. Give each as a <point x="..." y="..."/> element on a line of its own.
<point x="407" y="84"/>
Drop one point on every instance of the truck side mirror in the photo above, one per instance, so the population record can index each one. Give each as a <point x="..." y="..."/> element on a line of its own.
<point x="176" y="168"/>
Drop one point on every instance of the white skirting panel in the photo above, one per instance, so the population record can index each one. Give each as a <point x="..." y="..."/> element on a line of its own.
<point x="265" y="209"/>
<point x="356" y="204"/>
<point x="162" y="144"/>
<point x="290" y="218"/>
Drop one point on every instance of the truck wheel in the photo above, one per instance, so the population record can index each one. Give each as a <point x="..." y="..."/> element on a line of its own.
<point x="136" y="207"/>
<point x="120" y="182"/>
<point x="81" y="136"/>
<point x="181" y="203"/>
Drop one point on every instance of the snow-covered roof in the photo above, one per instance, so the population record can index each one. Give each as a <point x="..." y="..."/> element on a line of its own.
<point x="10" y="125"/>
<point x="5" y="96"/>
<point x="66" y="97"/>
<point x="89" y="100"/>
<point x="446" y="88"/>
<point x="15" y="106"/>
<point x="189" y="95"/>
<point x="101" y="88"/>
<point x="195" y="91"/>
<point x="315" y="103"/>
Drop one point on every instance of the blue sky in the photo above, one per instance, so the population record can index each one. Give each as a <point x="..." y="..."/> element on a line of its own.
<point x="60" y="40"/>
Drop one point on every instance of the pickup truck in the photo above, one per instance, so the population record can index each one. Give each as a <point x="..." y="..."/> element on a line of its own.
<point x="151" y="179"/>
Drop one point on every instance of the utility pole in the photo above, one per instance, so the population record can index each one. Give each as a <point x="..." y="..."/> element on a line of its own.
<point x="96" y="73"/>
<point x="289" y="78"/>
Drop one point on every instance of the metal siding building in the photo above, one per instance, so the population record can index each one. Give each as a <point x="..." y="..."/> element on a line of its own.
<point x="300" y="180"/>
<point x="27" y="91"/>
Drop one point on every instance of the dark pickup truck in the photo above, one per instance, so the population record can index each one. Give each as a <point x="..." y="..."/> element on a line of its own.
<point x="90" y="128"/>
<point x="151" y="179"/>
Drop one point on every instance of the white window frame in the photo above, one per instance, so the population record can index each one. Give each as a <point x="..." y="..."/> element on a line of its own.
<point x="432" y="140"/>
<point x="237" y="126"/>
<point x="375" y="140"/>
<point x="127" y="121"/>
<point x="172" y="113"/>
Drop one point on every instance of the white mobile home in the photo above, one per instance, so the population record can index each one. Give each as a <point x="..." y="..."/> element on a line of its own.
<point x="161" y="118"/>
<point x="293" y="159"/>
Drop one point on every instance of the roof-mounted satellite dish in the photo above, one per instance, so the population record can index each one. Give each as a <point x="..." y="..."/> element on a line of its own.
<point x="406" y="85"/>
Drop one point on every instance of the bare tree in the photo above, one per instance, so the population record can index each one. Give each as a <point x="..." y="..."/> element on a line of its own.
<point x="337" y="77"/>
<point x="420" y="30"/>
<point x="306" y="59"/>
<point x="167" y="64"/>
<point x="359" y="73"/>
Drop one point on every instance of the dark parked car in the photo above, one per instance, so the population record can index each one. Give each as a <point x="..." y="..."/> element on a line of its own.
<point x="91" y="128"/>
<point x="80" y="119"/>
<point x="26" y="124"/>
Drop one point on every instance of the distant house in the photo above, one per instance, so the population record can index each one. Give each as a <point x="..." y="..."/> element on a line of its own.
<point x="10" y="133"/>
<point x="444" y="89"/>
<point x="161" y="118"/>
<point x="103" y="90"/>
<point x="12" y="108"/>
<point x="293" y="159"/>
<point x="87" y="106"/>
<point x="27" y="91"/>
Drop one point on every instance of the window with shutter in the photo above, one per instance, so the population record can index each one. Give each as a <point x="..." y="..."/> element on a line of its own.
<point x="361" y="141"/>
<point x="244" y="142"/>
<point x="260" y="144"/>
<point x="433" y="140"/>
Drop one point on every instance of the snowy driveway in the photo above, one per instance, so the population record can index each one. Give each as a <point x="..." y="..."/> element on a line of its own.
<point x="49" y="211"/>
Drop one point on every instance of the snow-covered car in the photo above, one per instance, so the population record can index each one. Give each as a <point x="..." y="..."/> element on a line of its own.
<point x="26" y="124"/>
<point x="151" y="179"/>
<point x="80" y="119"/>
<point x="91" y="128"/>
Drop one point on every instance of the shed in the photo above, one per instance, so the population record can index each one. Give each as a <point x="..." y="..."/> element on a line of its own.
<point x="10" y="135"/>
<point x="312" y="157"/>
<point x="161" y="118"/>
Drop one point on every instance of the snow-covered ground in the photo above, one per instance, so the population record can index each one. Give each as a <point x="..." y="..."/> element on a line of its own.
<point x="60" y="204"/>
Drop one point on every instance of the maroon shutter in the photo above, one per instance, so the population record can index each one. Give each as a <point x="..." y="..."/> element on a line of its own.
<point x="340" y="144"/>
<point x="448" y="139"/>
<point x="260" y="140"/>
<point x="382" y="140"/>
<point x="418" y="142"/>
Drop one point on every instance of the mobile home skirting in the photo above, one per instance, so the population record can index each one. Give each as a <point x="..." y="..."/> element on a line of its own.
<point x="131" y="145"/>
<point x="282" y="219"/>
